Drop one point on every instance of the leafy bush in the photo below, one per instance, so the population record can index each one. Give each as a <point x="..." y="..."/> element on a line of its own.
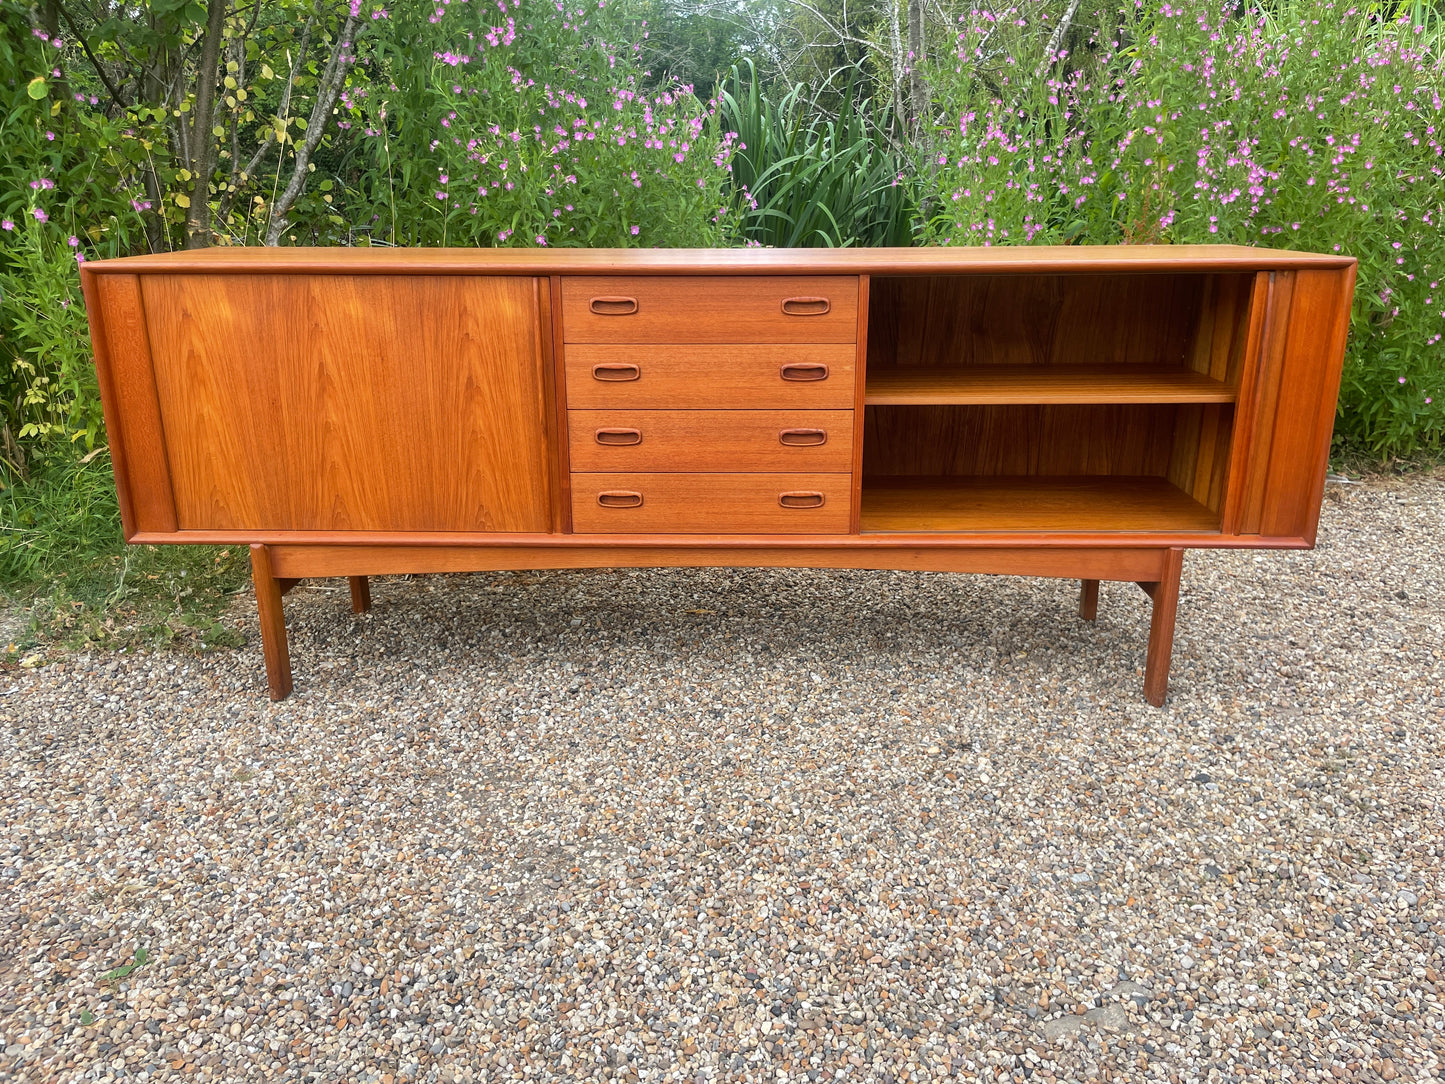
<point x="803" y="180"/>
<point x="529" y="123"/>
<point x="1299" y="126"/>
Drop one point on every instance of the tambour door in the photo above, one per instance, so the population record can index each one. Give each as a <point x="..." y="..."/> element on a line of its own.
<point x="1287" y="406"/>
<point x="351" y="402"/>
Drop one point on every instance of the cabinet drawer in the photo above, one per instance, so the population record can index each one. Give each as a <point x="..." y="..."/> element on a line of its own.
<point x="710" y="503"/>
<point x="710" y="440"/>
<point x="721" y="309"/>
<point x="771" y="376"/>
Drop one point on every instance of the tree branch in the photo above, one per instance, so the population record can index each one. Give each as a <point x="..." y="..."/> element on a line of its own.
<point x="327" y="89"/>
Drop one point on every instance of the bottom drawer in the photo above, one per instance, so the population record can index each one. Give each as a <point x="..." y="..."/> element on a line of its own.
<point x="711" y="503"/>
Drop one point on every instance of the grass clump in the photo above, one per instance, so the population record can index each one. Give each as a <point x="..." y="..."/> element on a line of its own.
<point x="67" y="578"/>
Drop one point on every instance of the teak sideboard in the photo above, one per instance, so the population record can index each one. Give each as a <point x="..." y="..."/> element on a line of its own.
<point x="1077" y="412"/>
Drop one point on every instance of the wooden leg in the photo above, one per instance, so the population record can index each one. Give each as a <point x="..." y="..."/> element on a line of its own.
<point x="1088" y="599"/>
<point x="273" y="623"/>
<point x="360" y="594"/>
<point x="1161" y="629"/>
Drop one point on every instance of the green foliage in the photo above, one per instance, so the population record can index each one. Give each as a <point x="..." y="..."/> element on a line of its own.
<point x="1292" y="126"/>
<point x="802" y="180"/>
<point x="529" y="124"/>
<point x="62" y="558"/>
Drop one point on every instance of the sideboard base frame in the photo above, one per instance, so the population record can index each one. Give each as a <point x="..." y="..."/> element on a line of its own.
<point x="275" y="569"/>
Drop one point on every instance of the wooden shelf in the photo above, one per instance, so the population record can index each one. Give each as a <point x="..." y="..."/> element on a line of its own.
<point x="1009" y="384"/>
<point x="1030" y="503"/>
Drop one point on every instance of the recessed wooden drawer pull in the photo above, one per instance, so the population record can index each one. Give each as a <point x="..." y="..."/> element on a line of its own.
<point x="804" y="371"/>
<point x="620" y="498"/>
<point x="803" y="438"/>
<point x="616" y="372"/>
<point x="801" y="500"/>
<point x="619" y="436"/>
<point x="615" y="306"/>
<point x="806" y="306"/>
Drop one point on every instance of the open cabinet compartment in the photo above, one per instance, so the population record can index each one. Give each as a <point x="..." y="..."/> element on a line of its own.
<point x="1061" y="403"/>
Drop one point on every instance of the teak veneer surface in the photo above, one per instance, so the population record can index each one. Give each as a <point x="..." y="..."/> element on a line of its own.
<point x="711" y="440"/>
<point x="960" y="321"/>
<point x="693" y="503"/>
<point x="351" y="403"/>
<point x="997" y="384"/>
<point x="1118" y="439"/>
<point x="1033" y="503"/>
<point x="692" y="376"/>
<point x="1025" y="259"/>
<point x="727" y="309"/>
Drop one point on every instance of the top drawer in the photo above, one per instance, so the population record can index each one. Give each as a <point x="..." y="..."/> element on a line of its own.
<point x="716" y="309"/>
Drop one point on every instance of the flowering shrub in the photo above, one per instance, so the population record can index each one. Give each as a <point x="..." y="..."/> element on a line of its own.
<point x="526" y="122"/>
<point x="59" y="202"/>
<point x="1311" y="127"/>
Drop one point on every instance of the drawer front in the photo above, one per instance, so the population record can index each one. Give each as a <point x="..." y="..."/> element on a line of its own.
<point x="722" y="309"/>
<point x="763" y="377"/>
<point x="710" y="503"/>
<point x="710" y="440"/>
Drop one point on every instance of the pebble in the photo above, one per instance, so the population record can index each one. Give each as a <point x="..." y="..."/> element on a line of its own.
<point x="751" y="825"/>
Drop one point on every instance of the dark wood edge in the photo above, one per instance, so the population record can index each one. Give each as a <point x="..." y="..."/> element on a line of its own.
<point x="114" y="432"/>
<point x="1017" y="540"/>
<point x="1075" y="563"/>
<point x="554" y="409"/>
<point x="860" y="380"/>
<point x="1064" y="259"/>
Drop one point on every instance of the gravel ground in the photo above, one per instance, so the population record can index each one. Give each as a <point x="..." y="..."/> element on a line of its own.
<point x="711" y="825"/>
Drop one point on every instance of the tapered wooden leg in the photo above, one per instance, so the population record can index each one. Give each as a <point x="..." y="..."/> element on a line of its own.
<point x="1161" y="629"/>
<point x="273" y="623"/>
<point x="1088" y="599"/>
<point x="360" y="594"/>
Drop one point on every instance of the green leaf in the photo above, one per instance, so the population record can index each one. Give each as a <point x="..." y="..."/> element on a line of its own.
<point x="37" y="88"/>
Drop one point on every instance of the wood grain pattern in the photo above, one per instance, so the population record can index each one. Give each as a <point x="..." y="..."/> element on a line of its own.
<point x="963" y="321"/>
<point x="710" y="504"/>
<point x="962" y="260"/>
<point x="710" y="310"/>
<point x="1074" y="504"/>
<point x="1019" y="440"/>
<point x="1014" y="559"/>
<point x="711" y="440"/>
<point x="557" y="376"/>
<point x="273" y="622"/>
<point x="1002" y="385"/>
<point x="1259" y="404"/>
<point x="128" y="397"/>
<point x="1161" y="629"/>
<point x="1310" y="374"/>
<point x="860" y="389"/>
<point x="1219" y="342"/>
<point x="352" y="403"/>
<point x="731" y="376"/>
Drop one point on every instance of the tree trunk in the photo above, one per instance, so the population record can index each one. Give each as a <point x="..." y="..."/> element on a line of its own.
<point x="917" y="88"/>
<point x="202" y="140"/>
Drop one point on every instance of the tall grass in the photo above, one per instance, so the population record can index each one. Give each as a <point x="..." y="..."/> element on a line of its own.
<point x="804" y="180"/>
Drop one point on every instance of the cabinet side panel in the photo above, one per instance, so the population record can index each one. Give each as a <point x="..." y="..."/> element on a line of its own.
<point x="352" y="403"/>
<point x="1310" y="383"/>
<point x="132" y="410"/>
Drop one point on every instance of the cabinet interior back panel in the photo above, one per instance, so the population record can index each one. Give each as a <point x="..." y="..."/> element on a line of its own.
<point x="1020" y="440"/>
<point x="351" y="403"/>
<point x="969" y="320"/>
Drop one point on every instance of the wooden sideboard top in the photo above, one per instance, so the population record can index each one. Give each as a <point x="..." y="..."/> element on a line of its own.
<point x="729" y="261"/>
